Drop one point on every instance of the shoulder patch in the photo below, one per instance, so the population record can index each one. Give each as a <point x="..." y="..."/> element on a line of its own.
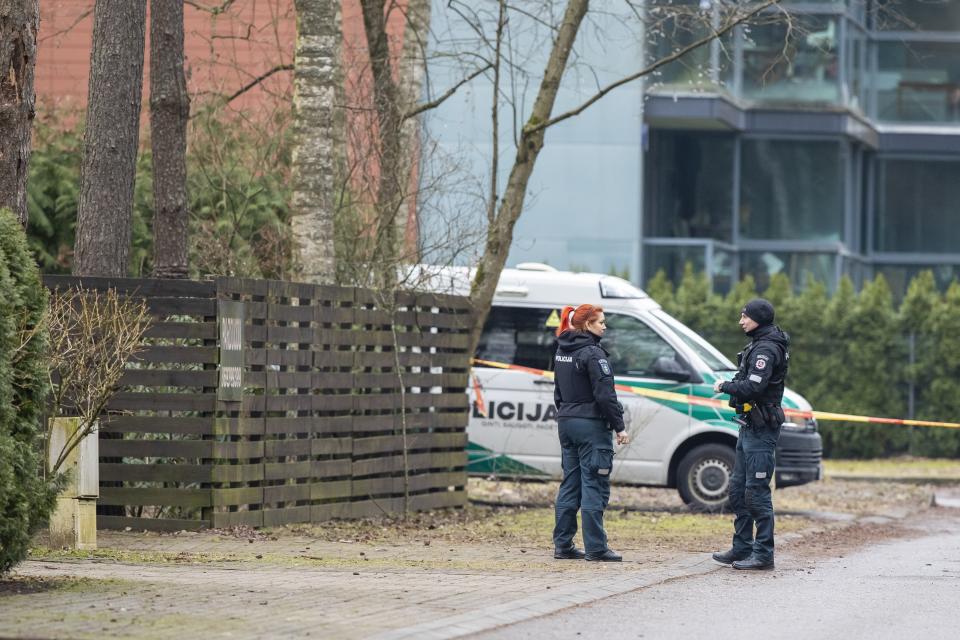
<point x="761" y="363"/>
<point x="604" y="366"/>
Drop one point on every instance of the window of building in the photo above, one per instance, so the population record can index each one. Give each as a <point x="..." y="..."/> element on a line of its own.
<point x="856" y="270"/>
<point x="798" y="266"/>
<point x="856" y="68"/>
<point x="898" y="276"/>
<point x="917" y="205"/>
<point x="917" y="15"/>
<point x="792" y="190"/>
<point x="718" y="262"/>
<point x="918" y="81"/>
<point x="690" y="185"/>
<point x="680" y="23"/>
<point x="792" y="62"/>
<point x="520" y="336"/>
<point x="673" y="259"/>
<point x="634" y="347"/>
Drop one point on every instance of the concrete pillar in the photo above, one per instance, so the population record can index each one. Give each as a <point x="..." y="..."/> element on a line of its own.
<point x="74" y="523"/>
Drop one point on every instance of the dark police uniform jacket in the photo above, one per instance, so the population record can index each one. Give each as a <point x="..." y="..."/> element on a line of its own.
<point x="761" y="375"/>
<point x="584" y="380"/>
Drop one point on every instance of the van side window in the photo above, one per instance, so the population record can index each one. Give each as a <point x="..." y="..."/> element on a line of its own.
<point x="634" y="346"/>
<point x="520" y="336"/>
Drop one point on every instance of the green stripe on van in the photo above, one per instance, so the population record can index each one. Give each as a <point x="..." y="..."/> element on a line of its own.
<point x="481" y="460"/>
<point x="711" y="415"/>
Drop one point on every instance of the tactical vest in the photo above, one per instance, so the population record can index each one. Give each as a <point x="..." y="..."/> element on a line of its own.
<point x="773" y="394"/>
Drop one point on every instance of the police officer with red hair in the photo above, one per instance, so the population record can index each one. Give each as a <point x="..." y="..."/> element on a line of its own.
<point x="588" y="414"/>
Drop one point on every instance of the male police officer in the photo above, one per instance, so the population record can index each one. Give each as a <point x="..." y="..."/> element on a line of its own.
<point x="756" y="392"/>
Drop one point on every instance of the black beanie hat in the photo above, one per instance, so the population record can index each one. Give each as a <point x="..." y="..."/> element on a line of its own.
<point x="760" y="311"/>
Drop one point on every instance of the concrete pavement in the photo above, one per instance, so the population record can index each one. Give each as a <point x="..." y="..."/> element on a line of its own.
<point x="905" y="588"/>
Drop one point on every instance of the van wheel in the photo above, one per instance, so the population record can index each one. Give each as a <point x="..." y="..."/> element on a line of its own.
<point x="703" y="477"/>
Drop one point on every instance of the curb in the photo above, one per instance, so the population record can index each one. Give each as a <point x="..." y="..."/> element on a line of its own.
<point x="552" y="601"/>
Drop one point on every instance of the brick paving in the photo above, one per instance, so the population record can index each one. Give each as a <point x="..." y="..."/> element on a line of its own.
<point x="299" y="587"/>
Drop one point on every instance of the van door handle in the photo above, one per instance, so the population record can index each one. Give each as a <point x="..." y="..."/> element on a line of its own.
<point x="543" y="381"/>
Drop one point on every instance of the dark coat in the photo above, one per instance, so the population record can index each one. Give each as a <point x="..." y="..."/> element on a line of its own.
<point x="584" y="380"/>
<point x="762" y="369"/>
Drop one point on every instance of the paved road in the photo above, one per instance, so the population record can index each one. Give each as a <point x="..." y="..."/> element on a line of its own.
<point x="906" y="588"/>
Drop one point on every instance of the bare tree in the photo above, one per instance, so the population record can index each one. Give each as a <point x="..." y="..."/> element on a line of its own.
<point x="169" y="114"/>
<point x="93" y="335"/>
<point x="317" y="80"/>
<point x="19" y="23"/>
<point x="502" y="218"/>
<point x="111" y="139"/>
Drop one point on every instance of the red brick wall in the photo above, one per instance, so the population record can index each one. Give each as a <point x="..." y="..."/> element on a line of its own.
<point x="223" y="53"/>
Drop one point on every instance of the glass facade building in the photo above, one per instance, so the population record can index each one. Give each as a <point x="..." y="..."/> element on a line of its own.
<point x="822" y="148"/>
<point x="825" y="147"/>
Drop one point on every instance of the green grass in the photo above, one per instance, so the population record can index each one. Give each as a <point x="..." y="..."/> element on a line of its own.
<point x="894" y="468"/>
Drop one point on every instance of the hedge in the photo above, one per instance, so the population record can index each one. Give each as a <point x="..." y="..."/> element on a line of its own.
<point x="852" y="352"/>
<point x="26" y="499"/>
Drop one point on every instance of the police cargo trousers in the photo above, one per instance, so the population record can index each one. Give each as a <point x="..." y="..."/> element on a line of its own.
<point x="587" y="456"/>
<point x="750" y="496"/>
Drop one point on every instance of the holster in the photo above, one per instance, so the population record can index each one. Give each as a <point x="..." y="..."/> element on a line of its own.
<point x="766" y="416"/>
<point x="759" y="416"/>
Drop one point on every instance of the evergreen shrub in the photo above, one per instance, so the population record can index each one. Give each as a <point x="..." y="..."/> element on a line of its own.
<point x="26" y="498"/>
<point x="851" y="352"/>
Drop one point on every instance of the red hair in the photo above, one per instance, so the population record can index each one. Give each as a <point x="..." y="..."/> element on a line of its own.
<point x="576" y="318"/>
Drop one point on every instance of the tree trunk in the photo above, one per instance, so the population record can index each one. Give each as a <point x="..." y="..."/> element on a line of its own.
<point x="396" y="90"/>
<point x="105" y="207"/>
<point x="387" y="145"/>
<point x="169" y="112"/>
<point x="19" y="22"/>
<point x="500" y="234"/>
<point x="413" y="70"/>
<point x="316" y="154"/>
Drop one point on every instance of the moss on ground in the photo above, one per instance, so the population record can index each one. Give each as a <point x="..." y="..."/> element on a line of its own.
<point x="27" y="585"/>
<point x="126" y="556"/>
<point x="533" y="527"/>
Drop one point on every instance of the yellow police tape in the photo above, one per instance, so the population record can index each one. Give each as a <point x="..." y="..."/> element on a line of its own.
<point x="682" y="398"/>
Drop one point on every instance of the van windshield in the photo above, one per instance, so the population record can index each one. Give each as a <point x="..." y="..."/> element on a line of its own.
<point x="710" y="355"/>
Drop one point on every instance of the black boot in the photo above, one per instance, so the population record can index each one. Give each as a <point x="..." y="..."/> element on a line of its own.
<point x="729" y="557"/>
<point x="606" y="556"/>
<point x="753" y="563"/>
<point x="568" y="554"/>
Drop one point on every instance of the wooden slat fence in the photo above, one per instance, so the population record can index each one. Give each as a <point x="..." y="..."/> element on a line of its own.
<point x="262" y="403"/>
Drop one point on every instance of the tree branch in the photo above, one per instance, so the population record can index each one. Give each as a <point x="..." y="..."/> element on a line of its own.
<point x="495" y="117"/>
<point x="250" y="85"/>
<point x="433" y="104"/>
<point x="651" y="68"/>
<point x="224" y="6"/>
<point x="79" y="19"/>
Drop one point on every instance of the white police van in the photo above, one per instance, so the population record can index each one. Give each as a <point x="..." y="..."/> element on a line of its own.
<point x="512" y="429"/>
